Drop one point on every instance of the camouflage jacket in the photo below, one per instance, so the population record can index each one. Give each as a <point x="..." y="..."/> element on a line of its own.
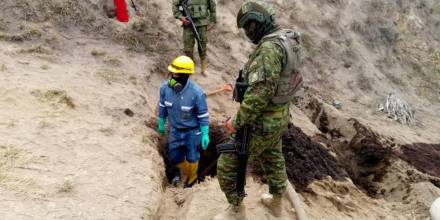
<point x="262" y="73"/>
<point x="202" y="12"/>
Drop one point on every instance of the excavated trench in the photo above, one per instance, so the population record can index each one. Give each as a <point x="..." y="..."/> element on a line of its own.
<point x="208" y="157"/>
<point x="371" y="156"/>
<point x="365" y="155"/>
<point x="306" y="160"/>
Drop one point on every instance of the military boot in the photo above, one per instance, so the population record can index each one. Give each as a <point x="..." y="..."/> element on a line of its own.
<point x="204" y="66"/>
<point x="274" y="203"/>
<point x="233" y="212"/>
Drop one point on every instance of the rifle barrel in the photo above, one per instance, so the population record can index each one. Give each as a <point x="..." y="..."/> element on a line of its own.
<point x="134" y="6"/>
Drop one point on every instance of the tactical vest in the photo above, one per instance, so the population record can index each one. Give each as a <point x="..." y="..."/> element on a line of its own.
<point x="198" y="9"/>
<point x="291" y="79"/>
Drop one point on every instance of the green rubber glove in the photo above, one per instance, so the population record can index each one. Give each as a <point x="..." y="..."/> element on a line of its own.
<point x="205" y="136"/>
<point x="161" y="125"/>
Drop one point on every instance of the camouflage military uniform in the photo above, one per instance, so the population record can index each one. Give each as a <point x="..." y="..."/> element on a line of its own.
<point x="267" y="119"/>
<point x="203" y="12"/>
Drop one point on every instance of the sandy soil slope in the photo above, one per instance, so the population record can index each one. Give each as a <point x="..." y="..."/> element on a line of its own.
<point x="68" y="150"/>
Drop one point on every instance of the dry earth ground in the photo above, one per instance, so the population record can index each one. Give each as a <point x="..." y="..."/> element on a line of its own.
<point x="68" y="74"/>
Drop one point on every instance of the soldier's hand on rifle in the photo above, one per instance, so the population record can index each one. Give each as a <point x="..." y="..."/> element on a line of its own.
<point x="230" y="127"/>
<point x="210" y="26"/>
<point x="185" y="21"/>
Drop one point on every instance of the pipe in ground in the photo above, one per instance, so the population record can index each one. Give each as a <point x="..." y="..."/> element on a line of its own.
<point x="296" y="202"/>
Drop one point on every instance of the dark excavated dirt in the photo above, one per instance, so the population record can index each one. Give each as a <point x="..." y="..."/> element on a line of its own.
<point x="424" y="157"/>
<point x="365" y="157"/>
<point x="369" y="162"/>
<point x="208" y="160"/>
<point x="307" y="160"/>
<point x="372" y="152"/>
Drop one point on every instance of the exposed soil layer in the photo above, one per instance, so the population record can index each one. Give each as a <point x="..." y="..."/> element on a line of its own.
<point x="307" y="160"/>
<point x="369" y="163"/>
<point x="365" y="157"/>
<point x="425" y="157"/>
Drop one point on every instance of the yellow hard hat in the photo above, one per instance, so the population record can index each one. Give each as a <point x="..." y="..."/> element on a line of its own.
<point x="182" y="64"/>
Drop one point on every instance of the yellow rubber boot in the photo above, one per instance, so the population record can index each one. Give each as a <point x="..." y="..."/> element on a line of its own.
<point x="183" y="167"/>
<point x="192" y="173"/>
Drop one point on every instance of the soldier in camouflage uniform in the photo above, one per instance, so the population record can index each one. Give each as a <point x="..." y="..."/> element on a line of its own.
<point x="203" y="13"/>
<point x="272" y="74"/>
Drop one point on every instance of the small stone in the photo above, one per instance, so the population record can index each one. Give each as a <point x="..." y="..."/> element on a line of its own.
<point x="337" y="104"/>
<point x="129" y="112"/>
<point x="179" y="200"/>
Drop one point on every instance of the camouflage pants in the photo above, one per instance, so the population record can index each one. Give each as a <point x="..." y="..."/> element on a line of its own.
<point x="189" y="40"/>
<point x="264" y="149"/>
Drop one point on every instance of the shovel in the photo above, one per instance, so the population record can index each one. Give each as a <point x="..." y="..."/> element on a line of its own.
<point x="225" y="88"/>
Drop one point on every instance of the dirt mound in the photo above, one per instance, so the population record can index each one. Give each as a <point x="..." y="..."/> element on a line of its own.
<point x="307" y="160"/>
<point x="425" y="157"/>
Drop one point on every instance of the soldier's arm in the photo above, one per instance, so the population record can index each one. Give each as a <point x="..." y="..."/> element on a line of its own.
<point x="212" y="11"/>
<point x="176" y="12"/>
<point x="263" y="76"/>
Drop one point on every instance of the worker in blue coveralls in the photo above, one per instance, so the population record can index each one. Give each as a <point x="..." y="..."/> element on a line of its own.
<point x="183" y="102"/>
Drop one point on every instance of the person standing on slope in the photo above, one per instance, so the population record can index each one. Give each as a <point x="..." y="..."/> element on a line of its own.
<point x="203" y="14"/>
<point x="184" y="103"/>
<point x="272" y="76"/>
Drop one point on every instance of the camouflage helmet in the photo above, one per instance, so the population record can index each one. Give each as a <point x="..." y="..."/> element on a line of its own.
<point x="257" y="10"/>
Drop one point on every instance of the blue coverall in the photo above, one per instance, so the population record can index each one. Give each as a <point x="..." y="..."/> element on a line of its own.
<point x="186" y="111"/>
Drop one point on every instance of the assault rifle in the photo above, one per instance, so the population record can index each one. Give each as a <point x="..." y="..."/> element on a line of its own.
<point x="134" y="6"/>
<point x="240" y="145"/>
<point x="185" y="12"/>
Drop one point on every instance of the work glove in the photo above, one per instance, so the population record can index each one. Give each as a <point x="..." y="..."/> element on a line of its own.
<point x="161" y="125"/>
<point x="205" y="136"/>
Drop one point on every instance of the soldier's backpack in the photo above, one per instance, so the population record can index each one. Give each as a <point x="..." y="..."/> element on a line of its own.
<point x="291" y="78"/>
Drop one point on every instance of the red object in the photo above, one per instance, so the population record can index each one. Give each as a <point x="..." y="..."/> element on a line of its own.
<point x="121" y="10"/>
<point x="230" y="127"/>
